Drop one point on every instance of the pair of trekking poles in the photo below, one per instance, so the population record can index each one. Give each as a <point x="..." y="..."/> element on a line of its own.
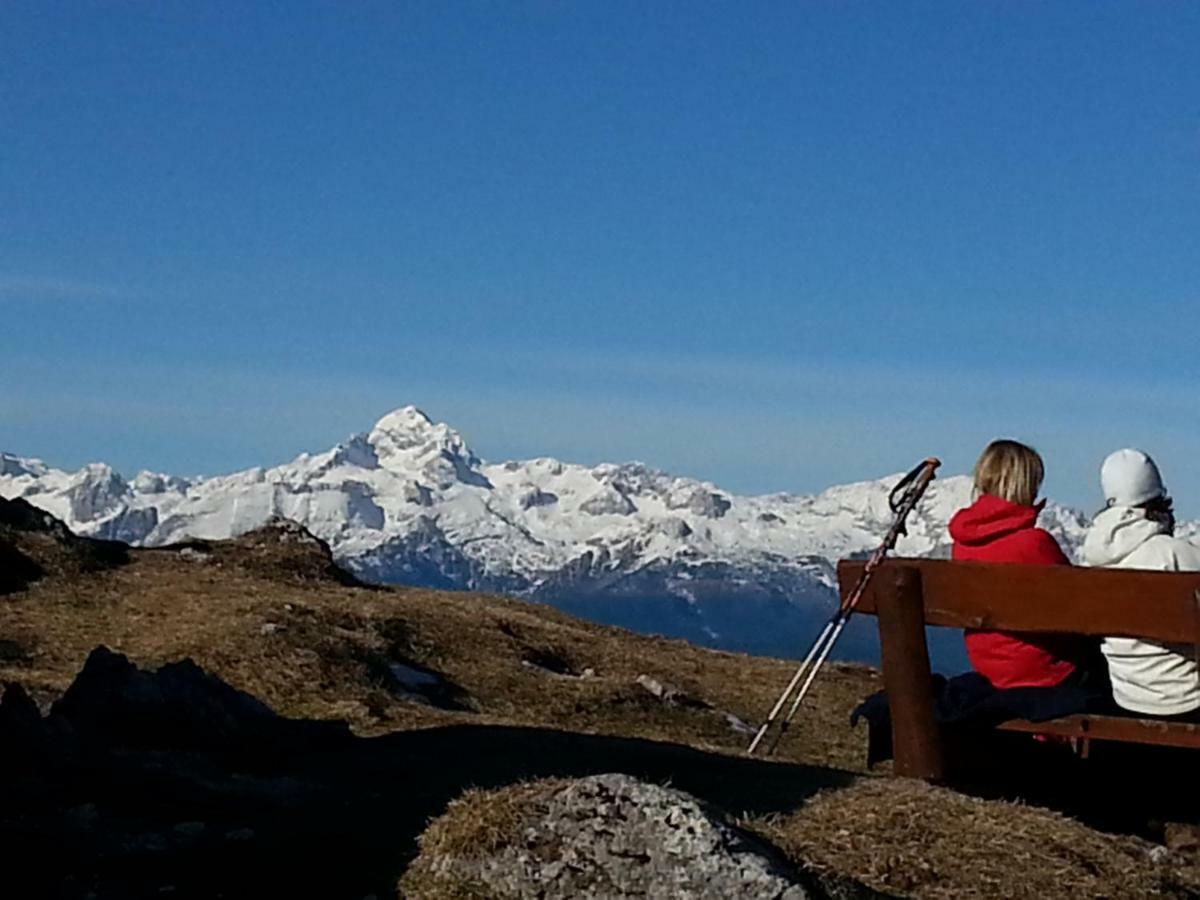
<point x="902" y="500"/>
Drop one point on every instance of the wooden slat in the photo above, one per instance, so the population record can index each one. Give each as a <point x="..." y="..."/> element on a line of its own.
<point x="1159" y="606"/>
<point x="1114" y="728"/>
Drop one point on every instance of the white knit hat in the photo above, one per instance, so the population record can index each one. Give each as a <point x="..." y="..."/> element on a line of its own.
<point x="1130" y="478"/>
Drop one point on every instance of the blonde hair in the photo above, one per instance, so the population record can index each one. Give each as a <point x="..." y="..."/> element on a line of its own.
<point x="1011" y="471"/>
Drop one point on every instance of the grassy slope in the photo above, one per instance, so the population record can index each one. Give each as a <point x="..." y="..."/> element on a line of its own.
<point x="311" y="647"/>
<point x="265" y="614"/>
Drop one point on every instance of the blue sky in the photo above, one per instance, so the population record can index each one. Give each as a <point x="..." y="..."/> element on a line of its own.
<point x="777" y="245"/>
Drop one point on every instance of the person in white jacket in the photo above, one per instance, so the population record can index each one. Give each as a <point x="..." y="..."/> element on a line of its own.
<point x="1136" y="530"/>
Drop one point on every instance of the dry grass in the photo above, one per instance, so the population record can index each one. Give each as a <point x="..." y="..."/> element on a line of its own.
<point x="906" y="837"/>
<point x="312" y="647"/>
<point x="479" y="822"/>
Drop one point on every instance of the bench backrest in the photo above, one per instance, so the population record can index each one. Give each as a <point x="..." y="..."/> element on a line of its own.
<point x="1160" y="606"/>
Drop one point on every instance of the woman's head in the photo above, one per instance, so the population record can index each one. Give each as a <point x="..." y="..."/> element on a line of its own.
<point x="1131" y="478"/>
<point x="1011" y="471"/>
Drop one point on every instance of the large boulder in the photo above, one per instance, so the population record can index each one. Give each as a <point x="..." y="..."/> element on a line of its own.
<point x="605" y="836"/>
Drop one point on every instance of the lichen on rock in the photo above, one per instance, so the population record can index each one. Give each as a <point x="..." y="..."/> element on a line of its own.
<point x="602" y="836"/>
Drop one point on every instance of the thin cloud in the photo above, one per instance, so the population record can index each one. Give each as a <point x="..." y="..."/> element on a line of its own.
<point x="50" y="288"/>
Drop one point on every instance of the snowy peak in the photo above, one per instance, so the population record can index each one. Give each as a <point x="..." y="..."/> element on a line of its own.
<point x="407" y="426"/>
<point x="96" y="491"/>
<point x="407" y="440"/>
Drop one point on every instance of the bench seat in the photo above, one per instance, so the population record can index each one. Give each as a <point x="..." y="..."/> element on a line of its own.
<point x="909" y="594"/>
<point x="1124" y="729"/>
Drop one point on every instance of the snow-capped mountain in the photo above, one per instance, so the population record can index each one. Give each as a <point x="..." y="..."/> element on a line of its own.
<point x="409" y="502"/>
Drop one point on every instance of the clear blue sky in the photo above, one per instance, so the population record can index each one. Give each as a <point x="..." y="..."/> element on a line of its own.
<point x="777" y="245"/>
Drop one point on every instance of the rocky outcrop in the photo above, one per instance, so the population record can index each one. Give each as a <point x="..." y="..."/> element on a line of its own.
<point x="178" y="706"/>
<point x="609" y="501"/>
<point x="34" y="543"/>
<point x="281" y="550"/>
<point x="607" y="836"/>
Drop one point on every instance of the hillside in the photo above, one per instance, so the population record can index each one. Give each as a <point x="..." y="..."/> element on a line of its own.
<point x="454" y="691"/>
<point x="269" y="614"/>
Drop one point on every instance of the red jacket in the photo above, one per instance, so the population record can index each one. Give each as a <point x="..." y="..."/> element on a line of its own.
<point x="994" y="530"/>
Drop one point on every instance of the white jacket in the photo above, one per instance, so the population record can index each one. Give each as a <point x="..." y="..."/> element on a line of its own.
<point x="1148" y="678"/>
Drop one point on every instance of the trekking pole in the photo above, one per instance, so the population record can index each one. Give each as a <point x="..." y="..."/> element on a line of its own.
<point x="902" y="500"/>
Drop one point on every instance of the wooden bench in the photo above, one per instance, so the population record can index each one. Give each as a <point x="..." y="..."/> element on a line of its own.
<point x="908" y="594"/>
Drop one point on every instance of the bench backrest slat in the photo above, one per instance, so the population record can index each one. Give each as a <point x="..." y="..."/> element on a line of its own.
<point x="1158" y="606"/>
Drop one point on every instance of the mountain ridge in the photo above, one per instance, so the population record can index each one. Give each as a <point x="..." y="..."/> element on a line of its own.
<point x="410" y="502"/>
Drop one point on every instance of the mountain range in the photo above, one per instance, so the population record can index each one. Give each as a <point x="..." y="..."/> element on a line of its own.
<point x="410" y="502"/>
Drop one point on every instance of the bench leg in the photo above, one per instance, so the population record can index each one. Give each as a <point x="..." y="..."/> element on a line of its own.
<point x="916" y="739"/>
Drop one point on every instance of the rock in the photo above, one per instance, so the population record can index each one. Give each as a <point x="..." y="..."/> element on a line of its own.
<point x="418" y="494"/>
<point x="608" y="501"/>
<point x="21" y="516"/>
<point x="673" y="696"/>
<point x="34" y="543"/>
<point x="613" y="836"/>
<point x="675" y="528"/>
<point x="739" y="725"/>
<point x="129" y="526"/>
<point x="668" y="693"/>
<point x="537" y="497"/>
<point x="701" y="501"/>
<point x="113" y="703"/>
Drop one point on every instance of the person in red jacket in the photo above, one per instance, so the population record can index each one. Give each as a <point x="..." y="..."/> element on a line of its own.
<point x="1001" y="527"/>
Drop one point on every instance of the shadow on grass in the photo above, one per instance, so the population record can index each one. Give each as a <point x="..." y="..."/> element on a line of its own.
<point x="340" y="819"/>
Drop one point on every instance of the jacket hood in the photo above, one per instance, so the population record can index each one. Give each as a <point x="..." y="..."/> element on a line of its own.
<point x="1116" y="532"/>
<point x="991" y="517"/>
